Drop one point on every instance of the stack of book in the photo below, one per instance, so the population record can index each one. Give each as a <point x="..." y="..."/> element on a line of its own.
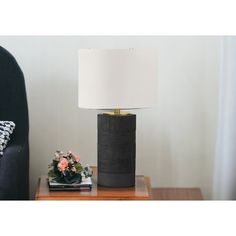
<point x="85" y="185"/>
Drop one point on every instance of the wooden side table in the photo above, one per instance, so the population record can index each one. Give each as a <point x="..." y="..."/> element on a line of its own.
<point x="141" y="191"/>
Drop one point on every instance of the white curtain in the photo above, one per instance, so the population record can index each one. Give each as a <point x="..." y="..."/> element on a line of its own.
<point x="225" y="164"/>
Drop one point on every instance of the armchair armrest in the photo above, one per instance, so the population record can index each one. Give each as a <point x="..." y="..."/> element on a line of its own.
<point x="14" y="172"/>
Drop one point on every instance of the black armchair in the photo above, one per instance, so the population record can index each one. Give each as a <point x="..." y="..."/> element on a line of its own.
<point x="14" y="164"/>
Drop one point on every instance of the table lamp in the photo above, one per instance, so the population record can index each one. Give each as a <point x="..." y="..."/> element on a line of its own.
<point x="113" y="80"/>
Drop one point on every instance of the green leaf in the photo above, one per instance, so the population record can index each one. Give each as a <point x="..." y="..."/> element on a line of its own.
<point x="51" y="173"/>
<point x="78" y="167"/>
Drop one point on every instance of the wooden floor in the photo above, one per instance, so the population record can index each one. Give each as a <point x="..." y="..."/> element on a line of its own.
<point x="176" y="194"/>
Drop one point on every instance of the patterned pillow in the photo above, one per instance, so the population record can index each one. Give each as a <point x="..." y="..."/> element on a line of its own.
<point x="6" y="129"/>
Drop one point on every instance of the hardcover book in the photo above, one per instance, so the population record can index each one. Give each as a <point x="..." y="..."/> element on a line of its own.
<point x="85" y="185"/>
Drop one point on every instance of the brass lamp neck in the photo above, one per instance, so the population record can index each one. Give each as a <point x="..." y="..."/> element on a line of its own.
<point x="116" y="111"/>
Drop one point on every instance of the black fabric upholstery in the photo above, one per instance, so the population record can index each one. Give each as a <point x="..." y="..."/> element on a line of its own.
<point x="14" y="164"/>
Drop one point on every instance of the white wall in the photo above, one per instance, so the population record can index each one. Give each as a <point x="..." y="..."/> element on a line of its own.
<point x="175" y="140"/>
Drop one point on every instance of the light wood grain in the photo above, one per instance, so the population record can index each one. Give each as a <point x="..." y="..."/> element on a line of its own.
<point x="176" y="194"/>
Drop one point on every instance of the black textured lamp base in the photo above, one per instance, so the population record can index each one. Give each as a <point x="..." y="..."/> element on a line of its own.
<point x="116" y="150"/>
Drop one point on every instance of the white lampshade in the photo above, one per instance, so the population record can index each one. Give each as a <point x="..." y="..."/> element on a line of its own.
<point x="117" y="78"/>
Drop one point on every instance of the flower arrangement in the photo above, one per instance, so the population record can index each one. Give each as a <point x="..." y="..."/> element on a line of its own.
<point x="66" y="168"/>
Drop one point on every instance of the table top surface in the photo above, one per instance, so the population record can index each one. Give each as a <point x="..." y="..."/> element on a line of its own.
<point x="177" y="194"/>
<point x="141" y="191"/>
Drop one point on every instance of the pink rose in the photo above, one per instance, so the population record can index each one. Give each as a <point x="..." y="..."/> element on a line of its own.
<point x="77" y="158"/>
<point x="63" y="164"/>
